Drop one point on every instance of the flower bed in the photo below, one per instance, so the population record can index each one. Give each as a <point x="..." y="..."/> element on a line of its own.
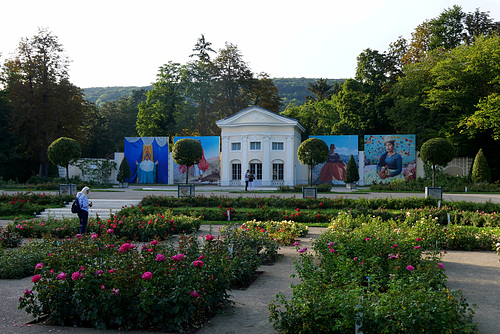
<point x="29" y="203"/>
<point x="102" y="282"/>
<point x="375" y="274"/>
<point x="284" y="232"/>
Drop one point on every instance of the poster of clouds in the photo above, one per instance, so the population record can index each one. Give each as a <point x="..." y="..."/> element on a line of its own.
<point x="389" y="157"/>
<point x="340" y="150"/>
<point x="207" y="170"/>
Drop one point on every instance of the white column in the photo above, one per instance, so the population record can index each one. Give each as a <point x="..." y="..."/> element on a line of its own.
<point x="290" y="161"/>
<point x="224" y="181"/>
<point x="266" y="164"/>
<point x="244" y="157"/>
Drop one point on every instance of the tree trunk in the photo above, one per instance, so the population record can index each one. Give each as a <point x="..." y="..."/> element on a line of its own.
<point x="43" y="170"/>
<point x="310" y="175"/>
<point x="187" y="173"/>
<point x="67" y="174"/>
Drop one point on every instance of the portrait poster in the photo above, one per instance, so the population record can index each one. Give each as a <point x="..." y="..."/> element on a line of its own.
<point x="207" y="170"/>
<point x="147" y="158"/>
<point x="340" y="150"/>
<point x="388" y="158"/>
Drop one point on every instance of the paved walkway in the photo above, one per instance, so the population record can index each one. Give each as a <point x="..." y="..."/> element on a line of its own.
<point x="477" y="274"/>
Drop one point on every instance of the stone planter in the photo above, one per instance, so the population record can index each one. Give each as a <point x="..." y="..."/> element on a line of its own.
<point x="351" y="186"/>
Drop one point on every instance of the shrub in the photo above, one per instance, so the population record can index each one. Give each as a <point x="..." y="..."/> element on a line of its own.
<point x="123" y="171"/>
<point x="20" y="262"/>
<point x="374" y="273"/>
<point x="9" y="239"/>
<point x="284" y="232"/>
<point x="351" y="173"/>
<point x="480" y="169"/>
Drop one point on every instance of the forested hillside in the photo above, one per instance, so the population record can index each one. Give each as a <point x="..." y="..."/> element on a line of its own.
<point x="291" y="90"/>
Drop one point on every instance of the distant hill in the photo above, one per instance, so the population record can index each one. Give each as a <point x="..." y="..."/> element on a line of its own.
<point x="292" y="90"/>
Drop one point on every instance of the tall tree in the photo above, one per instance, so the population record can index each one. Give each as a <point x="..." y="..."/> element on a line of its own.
<point x="47" y="106"/>
<point x="321" y="90"/>
<point x="166" y="110"/>
<point x="232" y="77"/>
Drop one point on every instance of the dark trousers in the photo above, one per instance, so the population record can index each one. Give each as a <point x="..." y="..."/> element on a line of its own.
<point x="246" y="185"/>
<point x="84" y="218"/>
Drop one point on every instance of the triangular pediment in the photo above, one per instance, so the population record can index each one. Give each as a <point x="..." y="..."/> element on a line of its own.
<point x="257" y="116"/>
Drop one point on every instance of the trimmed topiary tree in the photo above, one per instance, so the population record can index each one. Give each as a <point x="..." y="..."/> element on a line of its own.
<point x="437" y="151"/>
<point x="312" y="152"/>
<point x="351" y="172"/>
<point x="480" y="169"/>
<point x="124" y="171"/>
<point x="187" y="152"/>
<point x="64" y="151"/>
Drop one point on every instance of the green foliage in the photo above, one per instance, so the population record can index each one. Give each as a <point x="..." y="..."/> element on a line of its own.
<point x="9" y="239"/>
<point x="373" y="274"/>
<point x="47" y="106"/>
<point x="187" y="151"/>
<point x="351" y="172"/>
<point x="106" y="283"/>
<point x="320" y="188"/>
<point x="20" y="262"/>
<point x="312" y="152"/>
<point x="437" y="151"/>
<point x="480" y="169"/>
<point x="124" y="171"/>
<point x="284" y="232"/>
<point x="64" y="151"/>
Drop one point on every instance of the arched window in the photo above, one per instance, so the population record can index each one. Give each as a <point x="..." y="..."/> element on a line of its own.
<point x="256" y="168"/>
<point x="278" y="170"/>
<point x="235" y="170"/>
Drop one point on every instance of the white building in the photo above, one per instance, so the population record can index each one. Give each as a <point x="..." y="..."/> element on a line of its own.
<point x="264" y="142"/>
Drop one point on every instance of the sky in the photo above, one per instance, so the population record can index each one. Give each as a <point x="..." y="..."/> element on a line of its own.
<point x="123" y="43"/>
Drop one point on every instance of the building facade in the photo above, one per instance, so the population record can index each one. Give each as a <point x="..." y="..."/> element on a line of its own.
<point x="263" y="142"/>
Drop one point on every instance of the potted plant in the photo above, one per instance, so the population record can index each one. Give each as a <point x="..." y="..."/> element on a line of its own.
<point x="62" y="152"/>
<point x="436" y="151"/>
<point x="187" y="152"/>
<point x="124" y="173"/>
<point x="312" y="152"/>
<point x="351" y="174"/>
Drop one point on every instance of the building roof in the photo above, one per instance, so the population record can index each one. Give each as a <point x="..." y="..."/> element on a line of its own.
<point x="255" y="115"/>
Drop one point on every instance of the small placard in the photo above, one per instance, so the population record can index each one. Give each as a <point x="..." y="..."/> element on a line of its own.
<point x="67" y="189"/>
<point x="185" y="190"/>
<point x="309" y="192"/>
<point x="434" y="192"/>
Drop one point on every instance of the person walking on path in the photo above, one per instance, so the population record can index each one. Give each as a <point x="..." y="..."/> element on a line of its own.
<point x="246" y="180"/>
<point x="250" y="181"/>
<point x="84" y="205"/>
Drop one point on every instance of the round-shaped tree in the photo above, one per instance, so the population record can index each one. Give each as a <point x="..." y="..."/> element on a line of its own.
<point x="64" y="151"/>
<point x="124" y="171"/>
<point x="187" y="152"/>
<point x="351" y="172"/>
<point x="437" y="151"/>
<point x="480" y="169"/>
<point x="312" y="152"/>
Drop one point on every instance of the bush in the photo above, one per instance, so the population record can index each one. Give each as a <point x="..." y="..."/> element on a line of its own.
<point x="373" y="273"/>
<point x="20" y="262"/>
<point x="9" y="239"/>
<point x="480" y="169"/>
<point x="351" y="173"/>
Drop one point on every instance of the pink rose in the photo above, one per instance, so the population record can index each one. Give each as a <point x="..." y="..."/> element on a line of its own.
<point x="302" y="250"/>
<point x="125" y="247"/>
<point x="194" y="294"/>
<point x="154" y="242"/>
<point x="198" y="263"/>
<point x="110" y="231"/>
<point x="35" y="278"/>
<point x="94" y="236"/>
<point x="410" y="268"/>
<point x="160" y="257"/>
<point x="209" y="237"/>
<point x="178" y="257"/>
<point x="78" y="236"/>
<point x="76" y="275"/>
<point x="62" y="276"/>
<point x="147" y="275"/>
<point x="39" y="266"/>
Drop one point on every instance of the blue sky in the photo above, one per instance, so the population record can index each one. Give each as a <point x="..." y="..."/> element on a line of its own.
<point x="123" y="43"/>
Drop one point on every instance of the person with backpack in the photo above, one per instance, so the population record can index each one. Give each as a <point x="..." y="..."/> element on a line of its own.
<point x="84" y="204"/>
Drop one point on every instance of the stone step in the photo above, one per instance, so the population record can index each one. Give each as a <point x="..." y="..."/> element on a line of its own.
<point x="100" y="207"/>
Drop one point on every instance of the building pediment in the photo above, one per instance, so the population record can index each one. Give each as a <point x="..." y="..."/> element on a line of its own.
<point x="257" y="116"/>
